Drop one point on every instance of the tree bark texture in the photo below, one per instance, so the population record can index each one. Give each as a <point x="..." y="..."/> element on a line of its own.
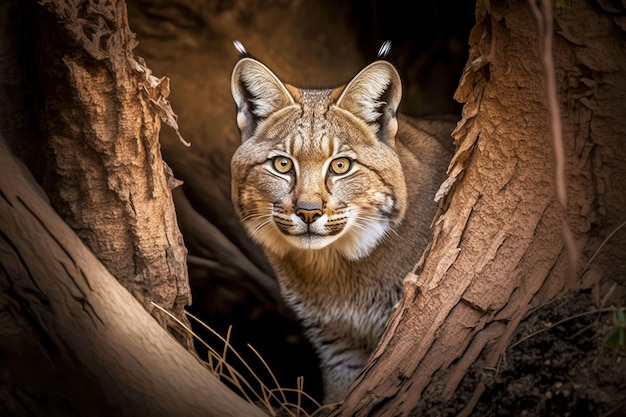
<point x="497" y="248"/>
<point x="100" y="114"/>
<point x="74" y="341"/>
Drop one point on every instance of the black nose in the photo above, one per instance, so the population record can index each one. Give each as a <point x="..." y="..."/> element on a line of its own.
<point x="309" y="215"/>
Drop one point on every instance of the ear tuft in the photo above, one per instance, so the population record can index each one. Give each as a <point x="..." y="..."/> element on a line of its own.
<point x="258" y="93"/>
<point x="374" y="95"/>
<point x="243" y="52"/>
<point x="383" y="51"/>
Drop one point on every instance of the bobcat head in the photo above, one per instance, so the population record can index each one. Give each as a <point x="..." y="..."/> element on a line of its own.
<point x="317" y="168"/>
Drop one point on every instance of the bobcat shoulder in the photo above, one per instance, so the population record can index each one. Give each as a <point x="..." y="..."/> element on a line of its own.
<point x="338" y="190"/>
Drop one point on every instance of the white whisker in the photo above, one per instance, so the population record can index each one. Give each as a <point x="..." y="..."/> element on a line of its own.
<point x="257" y="220"/>
<point x="260" y="226"/>
<point x="256" y="214"/>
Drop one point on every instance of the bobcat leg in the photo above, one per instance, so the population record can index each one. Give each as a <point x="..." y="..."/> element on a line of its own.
<point x="341" y="364"/>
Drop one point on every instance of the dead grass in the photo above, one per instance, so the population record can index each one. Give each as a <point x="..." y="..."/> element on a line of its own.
<point x="274" y="399"/>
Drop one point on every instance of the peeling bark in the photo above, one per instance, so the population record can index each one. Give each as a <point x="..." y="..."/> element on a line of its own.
<point x="100" y="115"/>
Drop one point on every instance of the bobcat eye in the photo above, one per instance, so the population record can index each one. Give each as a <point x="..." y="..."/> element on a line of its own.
<point x="282" y="164"/>
<point x="340" y="165"/>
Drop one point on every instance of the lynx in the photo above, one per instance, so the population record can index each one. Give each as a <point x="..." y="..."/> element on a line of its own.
<point x="339" y="191"/>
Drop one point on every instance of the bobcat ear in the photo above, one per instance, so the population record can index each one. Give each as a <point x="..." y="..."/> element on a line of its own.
<point x="257" y="93"/>
<point x="374" y="95"/>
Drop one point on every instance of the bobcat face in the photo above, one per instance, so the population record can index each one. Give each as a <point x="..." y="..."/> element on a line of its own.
<point x="317" y="168"/>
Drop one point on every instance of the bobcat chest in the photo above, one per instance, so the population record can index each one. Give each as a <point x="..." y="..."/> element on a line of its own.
<point x="329" y="292"/>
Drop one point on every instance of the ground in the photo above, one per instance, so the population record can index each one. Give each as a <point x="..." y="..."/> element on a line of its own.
<point x="558" y="364"/>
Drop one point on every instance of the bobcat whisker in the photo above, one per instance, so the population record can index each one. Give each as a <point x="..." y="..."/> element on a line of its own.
<point x="393" y="230"/>
<point x="260" y="226"/>
<point x="365" y="226"/>
<point x="256" y="214"/>
<point x="376" y="219"/>
<point x="258" y="209"/>
<point x="365" y="221"/>
<point x="370" y="217"/>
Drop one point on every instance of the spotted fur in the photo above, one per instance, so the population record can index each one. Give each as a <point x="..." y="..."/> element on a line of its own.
<point x="341" y="242"/>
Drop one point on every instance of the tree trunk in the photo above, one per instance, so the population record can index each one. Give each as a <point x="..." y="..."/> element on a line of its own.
<point x="100" y="161"/>
<point x="75" y="342"/>
<point x="497" y="248"/>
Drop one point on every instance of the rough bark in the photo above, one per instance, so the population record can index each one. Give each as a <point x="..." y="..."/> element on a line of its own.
<point x="99" y="115"/>
<point x="497" y="248"/>
<point x="74" y="341"/>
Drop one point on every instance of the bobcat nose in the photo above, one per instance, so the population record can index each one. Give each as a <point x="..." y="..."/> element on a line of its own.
<point x="308" y="214"/>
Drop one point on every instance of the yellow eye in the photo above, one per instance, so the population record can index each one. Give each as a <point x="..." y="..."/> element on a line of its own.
<point x="282" y="164"/>
<point x="340" y="165"/>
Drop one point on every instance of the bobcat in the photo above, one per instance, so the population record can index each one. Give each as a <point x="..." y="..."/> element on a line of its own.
<point x="338" y="189"/>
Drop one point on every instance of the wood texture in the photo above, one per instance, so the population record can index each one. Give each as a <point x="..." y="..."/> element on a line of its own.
<point x="74" y="341"/>
<point x="101" y="117"/>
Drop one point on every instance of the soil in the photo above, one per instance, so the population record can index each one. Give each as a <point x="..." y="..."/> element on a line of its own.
<point x="558" y="364"/>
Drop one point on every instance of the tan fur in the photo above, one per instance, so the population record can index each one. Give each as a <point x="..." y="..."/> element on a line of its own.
<point x="340" y="244"/>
